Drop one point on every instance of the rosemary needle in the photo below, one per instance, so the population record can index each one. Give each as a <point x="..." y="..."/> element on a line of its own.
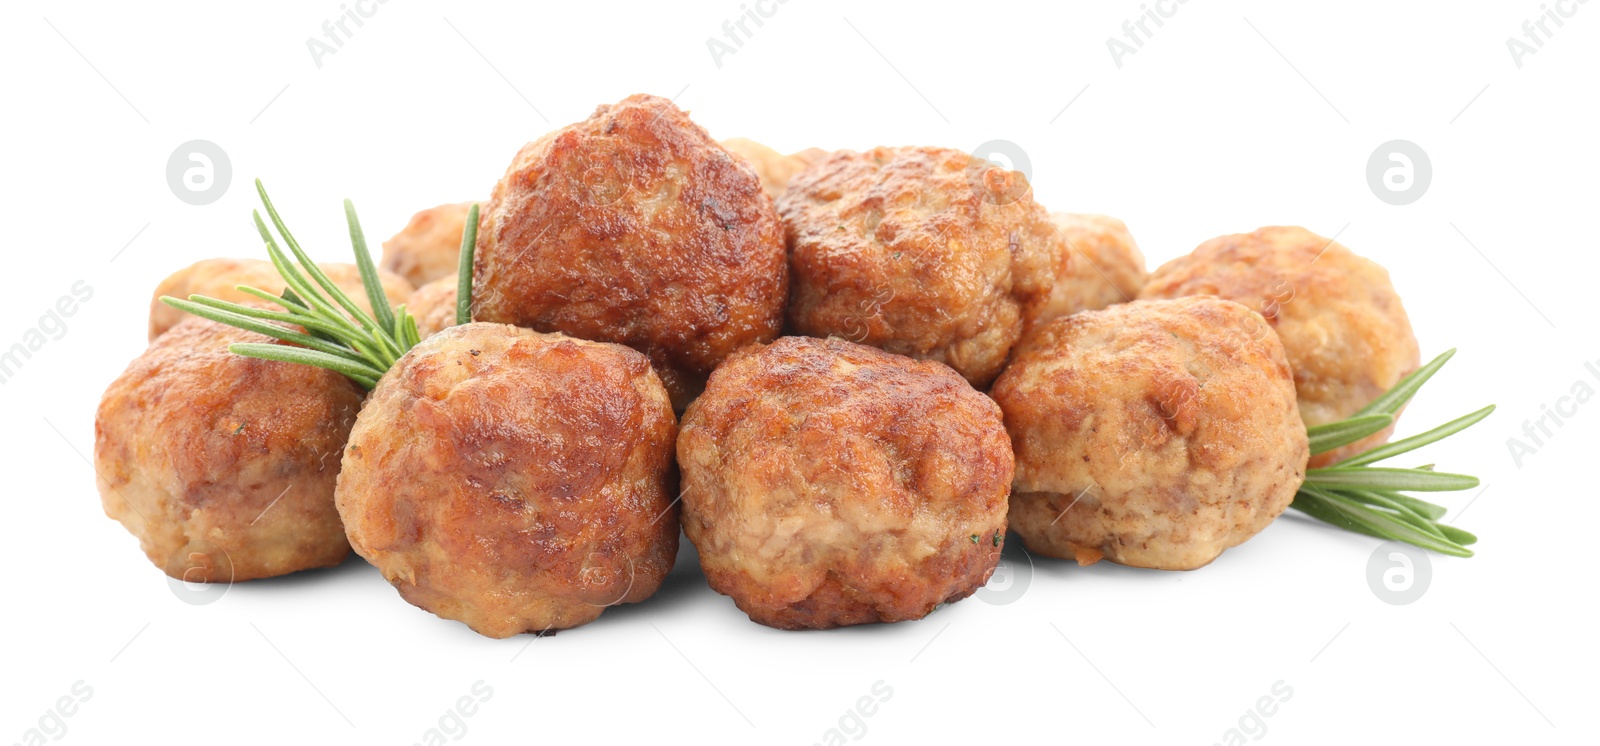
<point x="1369" y="500"/>
<point x="330" y="328"/>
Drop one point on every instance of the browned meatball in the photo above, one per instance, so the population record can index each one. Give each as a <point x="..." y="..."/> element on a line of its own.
<point x="1347" y="335"/>
<point x="434" y="306"/>
<point x="429" y="247"/>
<point x="925" y="252"/>
<point x="1155" y="433"/>
<point x="216" y="278"/>
<point x="773" y="168"/>
<point x="514" y="481"/>
<point x="1099" y="265"/>
<point x="202" y="452"/>
<point x="635" y="227"/>
<point x="827" y="484"/>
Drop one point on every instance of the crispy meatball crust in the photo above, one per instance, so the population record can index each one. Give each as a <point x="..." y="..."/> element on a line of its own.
<point x="429" y="247"/>
<point x="925" y="252"/>
<point x="198" y="449"/>
<point x="828" y="483"/>
<point x="1099" y="266"/>
<point x="514" y="481"/>
<point x="773" y="168"/>
<point x="434" y="306"/>
<point x="1346" y="334"/>
<point x="635" y="227"/>
<point x="217" y="277"/>
<point x="1154" y="433"/>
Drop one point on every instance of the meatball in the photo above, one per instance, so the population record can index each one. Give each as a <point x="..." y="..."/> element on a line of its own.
<point x="773" y="168"/>
<point x="1153" y="433"/>
<point x="429" y="247"/>
<point x="1099" y="265"/>
<point x="925" y="252"/>
<point x="434" y="306"/>
<point x="827" y="483"/>
<point x="1341" y="322"/>
<point x="514" y="481"/>
<point x="635" y="227"/>
<point x="216" y="278"/>
<point x="210" y="457"/>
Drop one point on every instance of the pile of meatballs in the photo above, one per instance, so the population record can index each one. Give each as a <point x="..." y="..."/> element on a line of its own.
<point x="845" y="376"/>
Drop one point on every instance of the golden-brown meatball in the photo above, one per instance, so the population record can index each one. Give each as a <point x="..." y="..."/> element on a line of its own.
<point x="773" y="168"/>
<point x="1098" y="265"/>
<point x="1341" y="322"/>
<point x="514" y="481"/>
<point x="434" y="306"/>
<point x="635" y="227"/>
<point x="429" y="247"/>
<point x="199" y="450"/>
<point x="925" y="252"/>
<point x="827" y="483"/>
<point x="216" y="278"/>
<point x="1154" y="433"/>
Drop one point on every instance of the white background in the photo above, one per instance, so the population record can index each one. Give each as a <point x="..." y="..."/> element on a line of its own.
<point x="1233" y="115"/>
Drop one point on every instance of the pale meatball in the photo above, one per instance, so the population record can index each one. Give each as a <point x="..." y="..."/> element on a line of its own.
<point x="773" y="168"/>
<point x="1154" y="433"/>
<point x="635" y="227"/>
<point x="514" y="481"/>
<point x="211" y="458"/>
<point x="1341" y="322"/>
<point x="1098" y="265"/>
<point x="216" y="278"/>
<point x="827" y="483"/>
<point x="429" y="247"/>
<point x="434" y="306"/>
<point x="924" y="252"/>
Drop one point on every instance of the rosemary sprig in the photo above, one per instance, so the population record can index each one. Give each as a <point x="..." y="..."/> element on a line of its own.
<point x="337" y="333"/>
<point x="1357" y="497"/>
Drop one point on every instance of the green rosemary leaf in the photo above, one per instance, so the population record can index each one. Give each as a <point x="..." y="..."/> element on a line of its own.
<point x="1390" y="526"/>
<point x="369" y="271"/>
<point x="1464" y="538"/>
<point x="413" y="334"/>
<point x="1344" y="432"/>
<point x="1389" y="479"/>
<point x="1378" y="500"/>
<point x="469" y="246"/>
<point x="255" y="325"/>
<point x="360" y="373"/>
<point x="1392" y="400"/>
<point x="1414" y="442"/>
<point x="1315" y="506"/>
<point x="1419" y="506"/>
<point x="311" y="323"/>
<point x="327" y="284"/>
